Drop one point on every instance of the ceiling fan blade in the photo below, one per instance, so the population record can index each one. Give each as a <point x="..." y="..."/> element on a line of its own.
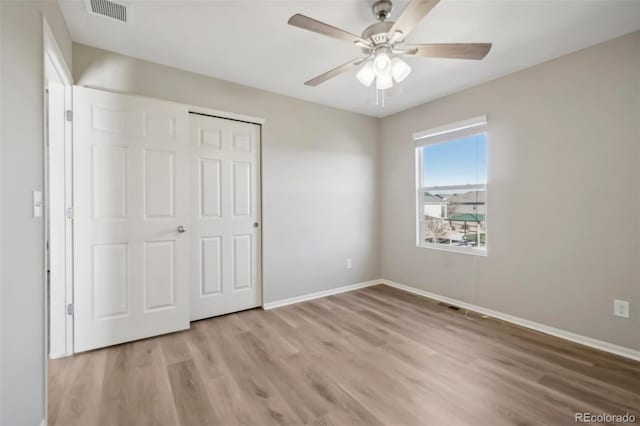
<point x="334" y="72"/>
<point x="316" y="26"/>
<point x="411" y="15"/>
<point x="475" y="51"/>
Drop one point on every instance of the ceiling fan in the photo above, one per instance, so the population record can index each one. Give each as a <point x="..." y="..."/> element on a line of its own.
<point x="383" y="44"/>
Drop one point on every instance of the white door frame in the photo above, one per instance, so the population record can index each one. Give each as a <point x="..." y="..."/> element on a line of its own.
<point x="53" y="54"/>
<point x="227" y="115"/>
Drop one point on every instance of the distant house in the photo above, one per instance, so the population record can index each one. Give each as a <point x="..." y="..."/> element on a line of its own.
<point x="471" y="202"/>
<point x="435" y="206"/>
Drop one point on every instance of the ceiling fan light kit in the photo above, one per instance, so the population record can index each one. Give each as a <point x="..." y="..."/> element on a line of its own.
<point x="366" y="75"/>
<point x="382" y="61"/>
<point x="383" y="43"/>
<point x="399" y="69"/>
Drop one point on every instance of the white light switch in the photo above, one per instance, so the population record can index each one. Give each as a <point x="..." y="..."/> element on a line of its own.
<point x="37" y="203"/>
<point x="349" y="263"/>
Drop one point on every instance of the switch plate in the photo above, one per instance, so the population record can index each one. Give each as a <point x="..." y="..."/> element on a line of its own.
<point x="37" y="203"/>
<point x="348" y="263"/>
<point x="621" y="308"/>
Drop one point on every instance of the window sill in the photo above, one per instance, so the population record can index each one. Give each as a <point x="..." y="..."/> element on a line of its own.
<point x="455" y="249"/>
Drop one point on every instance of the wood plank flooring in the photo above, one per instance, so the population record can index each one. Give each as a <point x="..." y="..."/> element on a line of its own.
<point x="376" y="356"/>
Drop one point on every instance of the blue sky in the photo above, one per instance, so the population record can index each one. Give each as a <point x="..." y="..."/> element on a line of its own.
<point x="458" y="162"/>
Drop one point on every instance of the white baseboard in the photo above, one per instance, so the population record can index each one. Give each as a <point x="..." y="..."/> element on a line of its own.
<point x="319" y="294"/>
<point x="563" y="334"/>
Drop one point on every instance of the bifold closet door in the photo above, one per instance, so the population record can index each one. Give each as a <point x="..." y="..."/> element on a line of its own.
<point x="131" y="196"/>
<point x="225" y="216"/>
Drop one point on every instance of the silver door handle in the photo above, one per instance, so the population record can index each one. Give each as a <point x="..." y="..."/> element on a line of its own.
<point x="255" y="225"/>
<point x="182" y="229"/>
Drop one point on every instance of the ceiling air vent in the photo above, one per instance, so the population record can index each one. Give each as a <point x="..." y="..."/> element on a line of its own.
<point x="109" y="9"/>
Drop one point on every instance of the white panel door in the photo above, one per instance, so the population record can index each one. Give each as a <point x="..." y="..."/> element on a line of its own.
<point x="225" y="216"/>
<point x="131" y="189"/>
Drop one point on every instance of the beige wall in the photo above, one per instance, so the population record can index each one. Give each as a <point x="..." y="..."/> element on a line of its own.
<point x="21" y="242"/>
<point x="320" y="168"/>
<point x="563" y="194"/>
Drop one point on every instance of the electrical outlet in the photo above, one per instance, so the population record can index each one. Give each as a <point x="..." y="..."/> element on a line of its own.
<point x="621" y="308"/>
<point x="348" y="263"/>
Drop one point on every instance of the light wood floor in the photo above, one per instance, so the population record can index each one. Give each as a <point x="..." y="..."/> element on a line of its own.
<point x="373" y="356"/>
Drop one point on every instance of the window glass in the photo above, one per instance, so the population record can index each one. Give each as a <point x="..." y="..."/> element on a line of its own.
<point x="454" y="193"/>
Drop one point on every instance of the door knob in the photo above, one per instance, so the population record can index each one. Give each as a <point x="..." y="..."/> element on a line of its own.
<point x="255" y="225"/>
<point x="182" y="229"/>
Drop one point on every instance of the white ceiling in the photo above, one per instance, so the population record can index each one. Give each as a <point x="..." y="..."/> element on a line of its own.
<point x="249" y="42"/>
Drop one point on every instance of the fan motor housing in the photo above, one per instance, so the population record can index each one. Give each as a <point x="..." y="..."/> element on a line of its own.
<point x="377" y="33"/>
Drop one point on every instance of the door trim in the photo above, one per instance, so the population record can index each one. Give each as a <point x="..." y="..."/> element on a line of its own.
<point x="260" y="122"/>
<point x="226" y="115"/>
<point x="51" y="50"/>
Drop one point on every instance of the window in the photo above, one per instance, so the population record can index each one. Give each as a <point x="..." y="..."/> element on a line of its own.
<point x="451" y="186"/>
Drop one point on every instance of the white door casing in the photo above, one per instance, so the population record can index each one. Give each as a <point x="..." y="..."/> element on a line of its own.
<point x="57" y="197"/>
<point x="225" y="223"/>
<point x="131" y="190"/>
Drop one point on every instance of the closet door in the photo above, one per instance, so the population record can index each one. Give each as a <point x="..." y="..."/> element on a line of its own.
<point x="225" y="216"/>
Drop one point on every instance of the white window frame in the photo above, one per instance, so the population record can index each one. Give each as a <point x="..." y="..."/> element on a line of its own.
<point x="440" y="134"/>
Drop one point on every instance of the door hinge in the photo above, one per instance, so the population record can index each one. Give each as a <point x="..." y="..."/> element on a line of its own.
<point x="69" y="115"/>
<point x="70" y="213"/>
<point x="70" y="309"/>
